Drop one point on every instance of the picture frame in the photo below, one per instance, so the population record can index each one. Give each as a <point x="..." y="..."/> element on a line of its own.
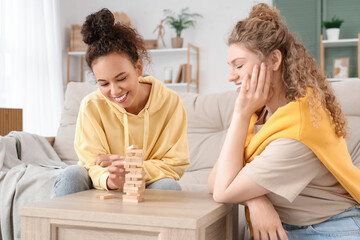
<point x="341" y="67"/>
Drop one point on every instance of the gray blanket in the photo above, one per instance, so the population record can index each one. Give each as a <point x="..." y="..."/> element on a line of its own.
<point x="28" y="169"/>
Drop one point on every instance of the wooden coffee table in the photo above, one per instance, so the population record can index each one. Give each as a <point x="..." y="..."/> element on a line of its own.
<point x="163" y="215"/>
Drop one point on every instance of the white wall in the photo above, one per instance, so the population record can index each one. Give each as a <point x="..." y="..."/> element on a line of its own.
<point x="210" y="33"/>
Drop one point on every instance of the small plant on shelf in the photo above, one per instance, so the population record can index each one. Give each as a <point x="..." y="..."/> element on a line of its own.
<point x="335" y="22"/>
<point x="333" y="28"/>
<point x="179" y="22"/>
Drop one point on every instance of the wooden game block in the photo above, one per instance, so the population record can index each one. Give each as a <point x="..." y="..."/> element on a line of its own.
<point x="136" y="174"/>
<point x="134" y="155"/>
<point x="134" y="189"/>
<point x="135" y="195"/>
<point x="135" y="182"/>
<point x="104" y="196"/>
<point x="130" y="198"/>
<point x="138" y="160"/>
<point x="130" y="186"/>
<point x="134" y="152"/>
<point x="133" y="169"/>
<point x="129" y="178"/>
<point x="132" y="164"/>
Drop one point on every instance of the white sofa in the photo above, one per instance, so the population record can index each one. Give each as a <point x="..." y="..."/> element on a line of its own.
<point x="209" y="117"/>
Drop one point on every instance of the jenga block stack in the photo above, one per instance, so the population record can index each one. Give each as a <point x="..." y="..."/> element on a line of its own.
<point x="134" y="186"/>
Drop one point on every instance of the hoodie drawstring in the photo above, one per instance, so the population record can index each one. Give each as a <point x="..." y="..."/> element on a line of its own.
<point x="146" y="130"/>
<point x="126" y="131"/>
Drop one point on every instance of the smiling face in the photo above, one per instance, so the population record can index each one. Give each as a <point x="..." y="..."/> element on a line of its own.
<point x="241" y="62"/>
<point x="117" y="79"/>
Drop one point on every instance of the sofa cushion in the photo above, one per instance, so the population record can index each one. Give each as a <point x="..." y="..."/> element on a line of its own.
<point x="195" y="180"/>
<point x="64" y="141"/>
<point x="348" y="95"/>
<point x="209" y="117"/>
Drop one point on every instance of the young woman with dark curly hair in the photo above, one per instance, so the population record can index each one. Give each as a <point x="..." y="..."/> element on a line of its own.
<point x="127" y="109"/>
<point x="285" y="155"/>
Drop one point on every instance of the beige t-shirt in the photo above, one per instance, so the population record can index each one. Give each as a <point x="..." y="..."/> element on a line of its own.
<point x="303" y="191"/>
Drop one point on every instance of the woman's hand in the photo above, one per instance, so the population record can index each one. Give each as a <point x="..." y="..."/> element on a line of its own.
<point x="265" y="221"/>
<point x="103" y="160"/>
<point x="117" y="172"/>
<point x="254" y="92"/>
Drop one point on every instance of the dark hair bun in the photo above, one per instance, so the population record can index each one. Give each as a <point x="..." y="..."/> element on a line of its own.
<point x="97" y="25"/>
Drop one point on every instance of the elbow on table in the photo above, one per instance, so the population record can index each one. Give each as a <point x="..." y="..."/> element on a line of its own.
<point x="220" y="197"/>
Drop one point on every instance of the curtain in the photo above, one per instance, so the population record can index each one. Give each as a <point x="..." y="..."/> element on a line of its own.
<point x="30" y="63"/>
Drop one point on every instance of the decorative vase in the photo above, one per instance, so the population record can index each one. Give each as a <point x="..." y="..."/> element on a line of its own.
<point x="177" y="42"/>
<point x="333" y="33"/>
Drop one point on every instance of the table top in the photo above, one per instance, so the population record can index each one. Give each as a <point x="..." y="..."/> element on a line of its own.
<point x="165" y="208"/>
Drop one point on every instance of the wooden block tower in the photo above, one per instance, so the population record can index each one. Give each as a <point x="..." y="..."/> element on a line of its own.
<point x="134" y="186"/>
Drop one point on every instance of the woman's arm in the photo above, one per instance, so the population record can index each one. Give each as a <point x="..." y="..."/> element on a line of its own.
<point x="227" y="181"/>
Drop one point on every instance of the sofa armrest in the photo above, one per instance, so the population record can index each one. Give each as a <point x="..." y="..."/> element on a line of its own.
<point x="51" y="140"/>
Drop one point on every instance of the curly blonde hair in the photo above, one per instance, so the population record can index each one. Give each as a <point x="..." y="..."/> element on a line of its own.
<point x="262" y="33"/>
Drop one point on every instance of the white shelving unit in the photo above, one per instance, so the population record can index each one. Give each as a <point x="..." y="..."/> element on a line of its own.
<point x="341" y="42"/>
<point x="80" y="54"/>
<point x="174" y="58"/>
<point x="351" y="42"/>
<point x="161" y="58"/>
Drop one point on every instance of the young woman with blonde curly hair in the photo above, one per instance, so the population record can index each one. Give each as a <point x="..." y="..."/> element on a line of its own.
<point x="285" y="156"/>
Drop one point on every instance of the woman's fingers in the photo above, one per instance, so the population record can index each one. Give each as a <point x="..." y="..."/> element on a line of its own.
<point x="282" y="234"/>
<point x="116" y="170"/>
<point x="116" y="157"/>
<point x="267" y="84"/>
<point x="105" y="163"/>
<point x="245" y="85"/>
<point x="262" y="79"/>
<point x="254" y="79"/>
<point x="273" y="236"/>
<point x="264" y="235"/>
<point x="256" y="235"/>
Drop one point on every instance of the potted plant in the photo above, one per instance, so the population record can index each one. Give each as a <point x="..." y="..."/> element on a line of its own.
<point x="179" y="22"/>
<point x="333" y="28"/>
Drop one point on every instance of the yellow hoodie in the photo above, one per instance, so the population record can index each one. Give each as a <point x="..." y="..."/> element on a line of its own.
<point x="295" y="121"/>
<point x="159" y="129"/>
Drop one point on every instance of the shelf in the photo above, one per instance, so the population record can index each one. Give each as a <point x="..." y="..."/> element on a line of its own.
<point x="151" y="51"/>
<point x="181" y="87"/>
<point x="190" y="52"/>
<point x="77" y="53"/>
<point x="351" y="42"/>
<point x="341" y="79"/>
<point x="171" y="50"/>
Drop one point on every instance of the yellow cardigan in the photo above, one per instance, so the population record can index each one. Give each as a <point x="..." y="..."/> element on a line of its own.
<point x="295" y="121"/>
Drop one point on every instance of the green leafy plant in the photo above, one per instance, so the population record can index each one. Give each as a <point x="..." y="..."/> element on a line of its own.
<point x="180" y="21"/>
<point x="334" y="23"/>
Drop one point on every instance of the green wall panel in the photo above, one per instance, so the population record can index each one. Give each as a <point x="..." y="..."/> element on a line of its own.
<point x="303" y="18"/>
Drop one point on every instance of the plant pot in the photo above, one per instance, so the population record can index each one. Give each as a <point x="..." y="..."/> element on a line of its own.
<point x="332" y="33"/>
<point x="177" y="42"/>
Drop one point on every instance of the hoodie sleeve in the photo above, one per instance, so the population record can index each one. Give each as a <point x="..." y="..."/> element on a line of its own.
<point x="170" y="156"/>
<point x="89" y="140"/>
